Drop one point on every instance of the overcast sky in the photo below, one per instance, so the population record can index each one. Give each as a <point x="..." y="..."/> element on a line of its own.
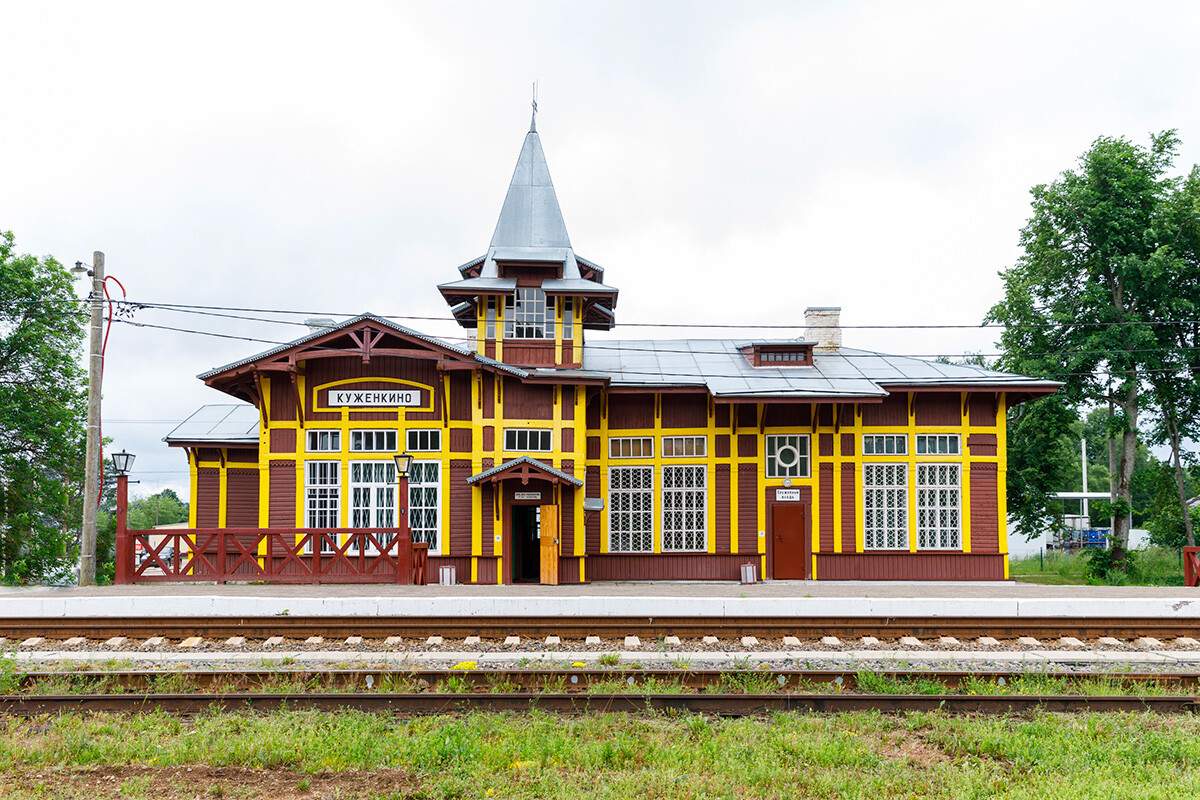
<point x="724" y="162"/>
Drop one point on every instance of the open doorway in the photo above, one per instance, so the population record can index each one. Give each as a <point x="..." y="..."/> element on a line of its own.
<point x="526" y="555"/>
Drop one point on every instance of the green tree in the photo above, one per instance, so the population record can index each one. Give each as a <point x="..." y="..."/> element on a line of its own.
<point x="1095" y="278"/>
<point x="42" y="410"/>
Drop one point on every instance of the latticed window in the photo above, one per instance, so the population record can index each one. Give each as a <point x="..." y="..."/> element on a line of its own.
<point x="684" y="508"/>
<point x="568" y="318"/>
<point x="322" y="492"/>
<point x="489" y="318"/>
<point x="885" y="444"/>
<point x="787" y="456"/>
<point x="939" y="502"/>
<point x="885" y="506"/>
<point x="372" y="499"/>
<point x="525" y="314"/>
<point x="631" y="509"/>
<point x="372" y="494"/>
<point x="937" y="444"/>
<point x="424" y="503"/>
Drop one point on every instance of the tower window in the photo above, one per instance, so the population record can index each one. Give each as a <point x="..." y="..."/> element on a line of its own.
<point x="525" y="314"/>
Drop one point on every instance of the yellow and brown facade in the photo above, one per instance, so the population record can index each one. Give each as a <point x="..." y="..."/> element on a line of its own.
<point x="541" y="457"/>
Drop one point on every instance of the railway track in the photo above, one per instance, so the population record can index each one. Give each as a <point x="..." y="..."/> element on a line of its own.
<point x="379" y="627"/>
<point x="572" y="680"/>
<point x="696" y="703"/>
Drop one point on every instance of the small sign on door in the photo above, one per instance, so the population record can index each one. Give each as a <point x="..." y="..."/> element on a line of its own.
<point x="536" y="496"/>
<point x="787" y="495"/>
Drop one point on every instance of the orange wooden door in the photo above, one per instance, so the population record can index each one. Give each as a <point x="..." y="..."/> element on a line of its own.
<point x="549" y="533"/>
<point x="790" y="554"/>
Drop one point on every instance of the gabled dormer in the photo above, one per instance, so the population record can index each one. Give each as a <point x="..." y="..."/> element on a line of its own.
<point x="529" y="298"/>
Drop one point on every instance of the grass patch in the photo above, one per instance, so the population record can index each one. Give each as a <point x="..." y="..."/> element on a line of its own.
<point x="1153" y="566"/>
<point x="352" y="754"/>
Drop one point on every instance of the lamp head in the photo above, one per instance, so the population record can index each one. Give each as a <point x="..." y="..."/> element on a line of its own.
<point x="122" y="462"/>
<point x="403" y="464"/>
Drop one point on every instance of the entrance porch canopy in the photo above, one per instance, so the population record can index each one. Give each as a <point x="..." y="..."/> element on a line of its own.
<point x="524" y="468"/>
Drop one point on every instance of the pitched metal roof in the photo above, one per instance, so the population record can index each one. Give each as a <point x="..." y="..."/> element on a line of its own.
<point x="530" y="216"/>
<point x="218" y="424"/>
<point x="720" y="367"/>
<point x="533" y="462"/>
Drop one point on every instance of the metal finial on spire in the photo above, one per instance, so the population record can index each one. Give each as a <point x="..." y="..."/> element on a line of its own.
<point x="533" y="120"/>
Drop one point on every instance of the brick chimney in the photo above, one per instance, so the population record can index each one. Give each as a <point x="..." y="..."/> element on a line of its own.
<point x="824" y="328"/>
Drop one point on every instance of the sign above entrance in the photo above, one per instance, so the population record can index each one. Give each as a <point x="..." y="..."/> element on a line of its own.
<point x="392" y="398"/>
<point x="787" y="495"/>
<point x="527" y="495"/>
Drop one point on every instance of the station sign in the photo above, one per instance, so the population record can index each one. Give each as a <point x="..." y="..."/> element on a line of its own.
<point x="787" y="495"/>
<point x="373" y="398"/>
<point x="527" y="495"/>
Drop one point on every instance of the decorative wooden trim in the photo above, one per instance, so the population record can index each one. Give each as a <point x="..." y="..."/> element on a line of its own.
<point x="299" y="400"/>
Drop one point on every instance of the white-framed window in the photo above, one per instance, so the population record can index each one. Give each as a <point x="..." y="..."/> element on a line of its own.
<point x="885" y="506"/>
<point x="568" y="318"/>
<point x="372" y="500"/>
<point x="684" y="508"/>
<point x="322" y="497"/>
<point x="680" y="446"/>
<point x="938" y="444"/>
<point x="489" y="318"/>
<point x="528" y="440"/>
<point x="631" y="447"/>
<point x="631" y="509"/>
<point x="425" y="503"/>
<point x="525" y="314"/>
<point x="424" y="441"/>
<point x="787" y="455"/>
<point x="372" y="441"/>
<point x="324" y="441"/>
<point x="939" y="506"/>
<point x="885" y="444"/>
<point x="784" y="356"/>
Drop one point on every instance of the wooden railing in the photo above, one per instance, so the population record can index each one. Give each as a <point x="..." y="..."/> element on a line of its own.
<point x="1191" y="566"/>
<point x="270" y="555"/>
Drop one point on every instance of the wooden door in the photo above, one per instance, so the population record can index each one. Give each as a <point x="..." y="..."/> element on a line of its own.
<point x="791" y="552"/>
<point x="549" y="534"/>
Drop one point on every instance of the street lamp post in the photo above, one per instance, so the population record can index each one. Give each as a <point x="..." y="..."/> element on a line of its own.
<point x="122" y="462"/>
<point x="416" y="564"/>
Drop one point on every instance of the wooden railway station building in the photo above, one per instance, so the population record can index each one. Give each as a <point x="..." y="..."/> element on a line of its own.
<point x="543" y="455"/>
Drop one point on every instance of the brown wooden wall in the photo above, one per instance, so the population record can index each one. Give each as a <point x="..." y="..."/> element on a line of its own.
<point x="747" y="508"/>
<point x="892" y="411"/>
<point x="825" y="500"/>
<point x="685" y="411"/>
<point x="208" y="497"/>
<point x="283" y="440"/>
<point x="281" y="509"/>
<point x="241" y="498"/>
<point x="849" y="521"/>
<point x="591" y="519"/>
<point x="668" y="567"/>
<point x="985" y="516"/>
<point x="909" y="567"/>
<point x="938" y="408"/>
<point x="630" y="411"/>
<point x="524" y="401"/>
<point x="721" y="525"/>
<point x="458" y="529"/>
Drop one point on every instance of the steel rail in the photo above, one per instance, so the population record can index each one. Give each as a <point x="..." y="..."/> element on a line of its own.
<point x="572" y="627"/>
<point x="566" y="680"/>
<point x="732" y="705"/>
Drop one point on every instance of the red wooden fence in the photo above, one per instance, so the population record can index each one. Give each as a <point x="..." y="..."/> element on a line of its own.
<point x="1191" y="566"/>
<point x="270" y="555"/>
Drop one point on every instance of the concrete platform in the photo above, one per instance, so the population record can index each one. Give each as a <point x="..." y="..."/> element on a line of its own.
<point x="769" y="599"/>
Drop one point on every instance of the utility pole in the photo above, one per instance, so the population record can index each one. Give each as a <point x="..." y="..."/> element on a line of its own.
<point x="91" y="480"/>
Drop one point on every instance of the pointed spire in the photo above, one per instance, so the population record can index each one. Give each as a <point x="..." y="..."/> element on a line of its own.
<point x="531" y="216"/>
